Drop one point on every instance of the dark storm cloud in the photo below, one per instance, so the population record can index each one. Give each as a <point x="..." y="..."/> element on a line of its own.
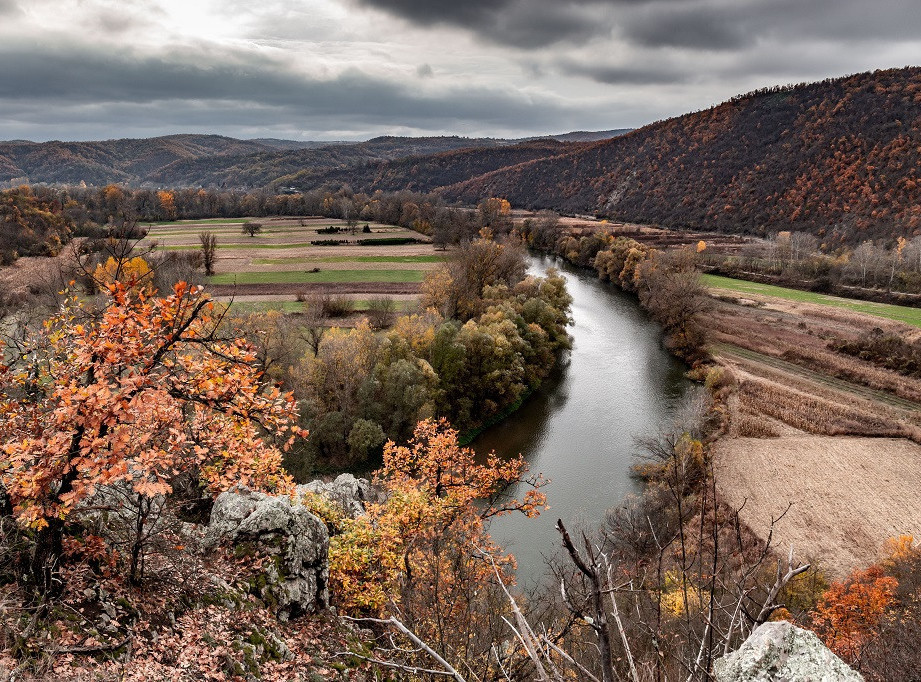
<point x="694" y="24"/>
<point x="220" y="90"/>
<point x="523" y="23"/>
<point x="647" y="74"/>
<point x="699" y="28"/>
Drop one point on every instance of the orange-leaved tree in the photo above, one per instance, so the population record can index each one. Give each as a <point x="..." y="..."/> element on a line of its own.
<point x="851" y="611"/>
<point x="136" y="392"/>
<point x="423" y="554"/>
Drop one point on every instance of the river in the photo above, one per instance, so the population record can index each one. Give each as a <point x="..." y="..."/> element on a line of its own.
<point x="617" y="383"/>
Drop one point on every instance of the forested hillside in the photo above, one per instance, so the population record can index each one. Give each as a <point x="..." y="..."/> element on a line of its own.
<point x="99" y="163"/>
<point x="302" y="165"/>
<point x="426" y="173"/>
<point x="840" y="158"/>
<point x="31" y="225"/>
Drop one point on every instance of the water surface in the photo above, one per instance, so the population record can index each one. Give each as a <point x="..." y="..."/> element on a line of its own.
<point x="616" y="384"/>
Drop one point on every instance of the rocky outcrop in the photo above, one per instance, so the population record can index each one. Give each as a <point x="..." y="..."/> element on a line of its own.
<point x="296" y="542"/>
<point x="350" y="493"/>
<point x="781" y="651"/>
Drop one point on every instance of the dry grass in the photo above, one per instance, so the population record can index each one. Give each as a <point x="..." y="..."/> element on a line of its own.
<point x="753" y="425"/>
<point x="849" y="494"/>
<point x="811" y="413"/>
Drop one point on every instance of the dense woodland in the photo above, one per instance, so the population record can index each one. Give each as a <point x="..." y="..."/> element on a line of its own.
<point x="31" y="225"/>
<point x="487" y="337"/>
<point x="837" y="158"/>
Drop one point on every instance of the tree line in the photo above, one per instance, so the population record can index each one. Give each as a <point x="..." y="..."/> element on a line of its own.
<point x="487" y="335"/>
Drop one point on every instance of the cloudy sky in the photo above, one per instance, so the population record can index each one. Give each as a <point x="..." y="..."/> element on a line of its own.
<point x="353" y="69"/>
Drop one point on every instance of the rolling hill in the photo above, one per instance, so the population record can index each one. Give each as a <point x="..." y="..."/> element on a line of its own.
<point x="99" y="163"/>
<point x="840" y="158"/>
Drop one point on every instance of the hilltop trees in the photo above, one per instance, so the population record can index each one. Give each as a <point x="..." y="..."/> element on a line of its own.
<point x="31" y="225"/>
<point x="136" y="394"/>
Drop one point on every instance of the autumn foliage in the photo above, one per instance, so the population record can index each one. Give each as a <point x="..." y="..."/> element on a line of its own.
<point x="438" y="501"/>
<point x="137" y="393"/>
<point x="851" y="611"/>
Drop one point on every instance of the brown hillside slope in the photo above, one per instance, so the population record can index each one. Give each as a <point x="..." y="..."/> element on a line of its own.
<point x="840" y="158"/>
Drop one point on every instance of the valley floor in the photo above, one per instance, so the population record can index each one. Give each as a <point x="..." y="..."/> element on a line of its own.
<point x="832" y="435"/>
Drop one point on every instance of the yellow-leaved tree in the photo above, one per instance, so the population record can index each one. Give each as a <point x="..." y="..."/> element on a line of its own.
<point x="135" y="273"/>
<point x="423" y="554"/>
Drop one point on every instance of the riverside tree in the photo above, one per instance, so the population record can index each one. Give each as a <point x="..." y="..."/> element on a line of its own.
<point x="135" y="393"/>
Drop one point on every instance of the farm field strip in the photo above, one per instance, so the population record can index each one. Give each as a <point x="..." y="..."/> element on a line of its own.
<point x="244" y="265"/>
<point x="243" y="245"/>
<point x="900" y="313"/>
<point x="295" y="260"/>
<point x="358" y="305"/>
<point x="235" y="230"/>
<point x="865" y="392"/>
<point x="327" y="276"/>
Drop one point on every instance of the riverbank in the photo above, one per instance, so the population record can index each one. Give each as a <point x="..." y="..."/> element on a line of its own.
<point x="801" y="414"/>
<point x="578" y="429"/>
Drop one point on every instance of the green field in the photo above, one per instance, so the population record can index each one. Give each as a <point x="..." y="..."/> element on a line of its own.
<point x="219" y="231"/>
<point x="195" y="247"/>
<point x="295" y="307"/>
<point x="348" y="259"/>
<point x="901" y="313"/>
<point x="325" y="277"/>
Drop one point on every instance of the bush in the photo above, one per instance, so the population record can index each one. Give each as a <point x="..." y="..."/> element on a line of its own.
<point x="336" y="306"/>
<point x="380" y="312"/>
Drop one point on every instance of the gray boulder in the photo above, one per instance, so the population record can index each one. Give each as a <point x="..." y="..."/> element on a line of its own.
<point x="782" y="652"/>
<point x="350" y="493"/>
<point x="296" y="541"/>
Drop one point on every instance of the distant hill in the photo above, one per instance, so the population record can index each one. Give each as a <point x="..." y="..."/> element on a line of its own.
<point x="840" y="158"/>
<point x="215" y="161"/>
<point x="585" y="135"/>
<point x="99" y="163"/>
<point x="301" y="167"/>
<point x="275" y="143"/>
<point x="429" y="172"/>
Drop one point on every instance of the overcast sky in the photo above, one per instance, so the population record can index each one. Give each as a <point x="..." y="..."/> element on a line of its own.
<point x="354" y="69"/>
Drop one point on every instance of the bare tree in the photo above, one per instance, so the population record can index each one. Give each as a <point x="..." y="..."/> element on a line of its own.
<point x="208" y="242"/>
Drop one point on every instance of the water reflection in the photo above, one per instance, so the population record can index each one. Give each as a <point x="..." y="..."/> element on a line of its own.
<point x="616" y="384"/>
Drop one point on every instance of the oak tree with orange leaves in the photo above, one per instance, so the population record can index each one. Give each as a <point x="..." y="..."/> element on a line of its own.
<point x="851" y="611"/>
<point x="424" y="554"/>
<point x="134" y="393"/>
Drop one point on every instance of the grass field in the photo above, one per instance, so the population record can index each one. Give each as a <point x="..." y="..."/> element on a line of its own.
<point x="900" y="313"/>
<point x="358" y="305"/>
<point x="274" y="264"/>
<point x="327" y="276"/>
<point x="347" y="259"/>
<point x="203" y="221"/>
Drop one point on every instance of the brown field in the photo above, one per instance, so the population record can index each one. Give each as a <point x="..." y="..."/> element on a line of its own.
<point x="848" y="494"/>
<point x="833" y="434"/>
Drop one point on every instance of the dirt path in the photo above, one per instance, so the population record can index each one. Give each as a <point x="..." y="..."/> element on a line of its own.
<point x="849" y="494"/>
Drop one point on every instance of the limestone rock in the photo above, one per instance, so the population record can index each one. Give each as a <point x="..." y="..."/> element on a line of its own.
<point x="780" y="651"/>
<point x="350" y="493"/>
<point x="295" y="581"/>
